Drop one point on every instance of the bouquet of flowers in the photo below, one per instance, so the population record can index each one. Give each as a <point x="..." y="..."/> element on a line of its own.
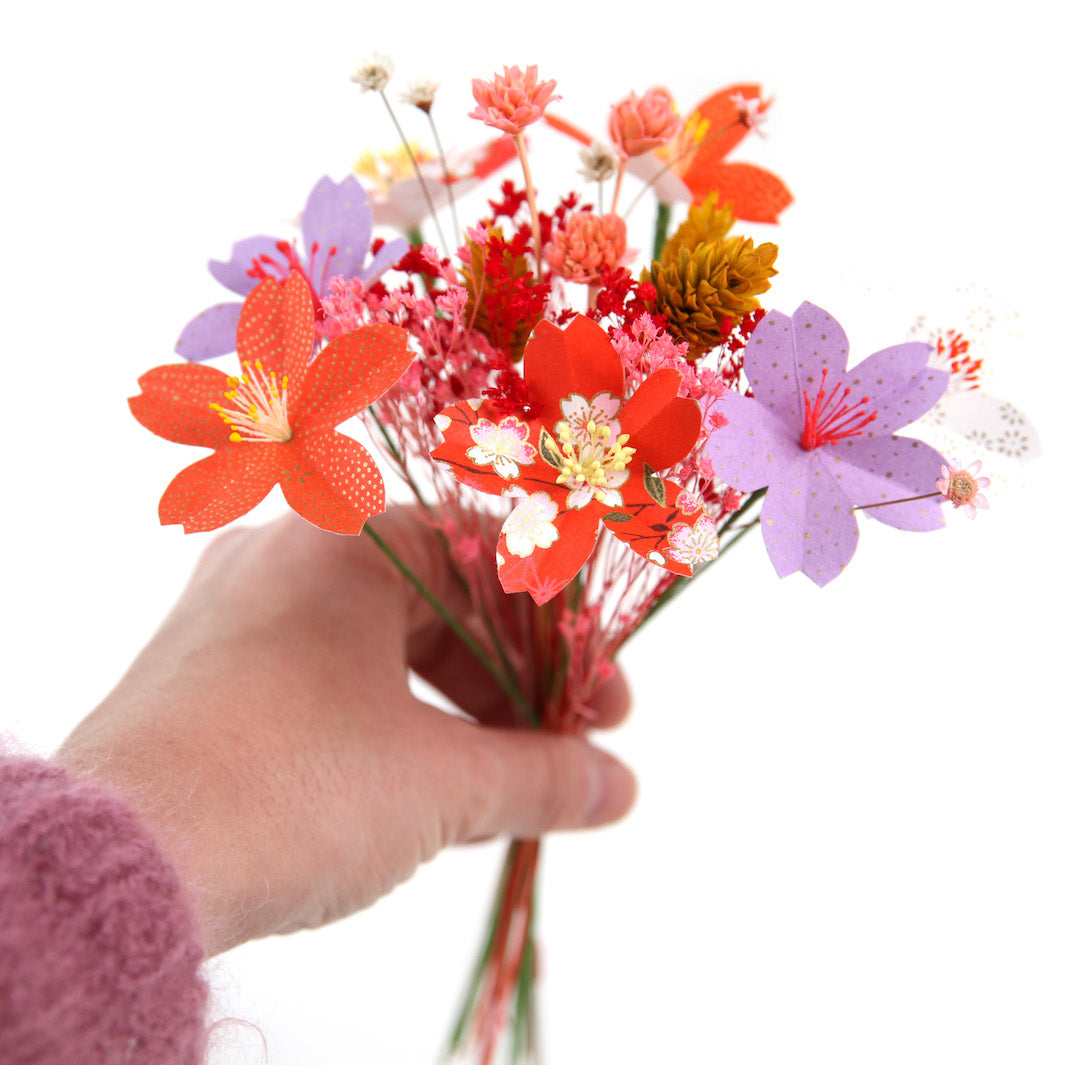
<point x="587" y="434"/>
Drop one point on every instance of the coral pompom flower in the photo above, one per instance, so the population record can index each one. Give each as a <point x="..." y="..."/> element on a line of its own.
<point x="821" y="437"/>
<point x="589" y="457"/>
<point x="512" y="100"/>
<point x="639" y="124"/>
<point x="275" y="424"/>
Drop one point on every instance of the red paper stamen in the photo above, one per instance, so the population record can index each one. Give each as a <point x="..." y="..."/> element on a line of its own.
<point x="263" y="266"/>
<point x="830" y="419"/>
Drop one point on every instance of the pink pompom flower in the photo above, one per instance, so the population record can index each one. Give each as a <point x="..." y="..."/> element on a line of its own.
<point x="587" y="247"/>
<point x="512" y="100"/>
<point x="640" y="124"/>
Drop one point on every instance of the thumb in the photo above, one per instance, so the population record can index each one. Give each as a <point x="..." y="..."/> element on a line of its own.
<point x="523" y="784"/>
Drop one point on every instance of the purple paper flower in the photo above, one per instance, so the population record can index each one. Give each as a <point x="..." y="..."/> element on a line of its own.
<point x="821" y="438"/>
<point x="336" y="223"/>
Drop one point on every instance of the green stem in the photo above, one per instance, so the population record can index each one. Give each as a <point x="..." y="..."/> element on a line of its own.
<point x="460" y="630"/>
<point x="661" y="227"/>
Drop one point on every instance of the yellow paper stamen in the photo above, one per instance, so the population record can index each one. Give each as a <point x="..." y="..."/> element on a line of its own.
<point x="258" y="406"/>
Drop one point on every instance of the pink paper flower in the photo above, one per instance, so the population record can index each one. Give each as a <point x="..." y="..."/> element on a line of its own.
<point x="641" y="124"/>
<point x="587" y="247"/>
<point x="962" y="486"/>
<point x="512" y="100"/>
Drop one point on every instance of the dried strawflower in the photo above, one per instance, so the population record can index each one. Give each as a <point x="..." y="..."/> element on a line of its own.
<point x="421" y="93"/>
<point x="587" y="246"/>
<point x="372" y="74"/>
<point x="706" y="223"/>
<point x="962" y="486"/>
<point x="598" y="162"/>
<point x="512" y="100"/>
<point x="703" y="292"/>
<point x="640" y="124"/>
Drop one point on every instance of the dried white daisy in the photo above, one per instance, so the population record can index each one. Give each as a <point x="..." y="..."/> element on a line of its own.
<point x="373" y="73"/>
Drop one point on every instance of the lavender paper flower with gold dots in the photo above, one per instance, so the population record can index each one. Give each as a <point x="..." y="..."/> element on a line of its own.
<point x="821" y="438"/>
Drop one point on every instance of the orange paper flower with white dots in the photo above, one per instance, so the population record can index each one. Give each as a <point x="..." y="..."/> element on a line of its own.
<point x="276" y="423"/>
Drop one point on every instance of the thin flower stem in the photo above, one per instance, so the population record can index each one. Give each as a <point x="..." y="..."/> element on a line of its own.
<point x="530" y="197"/>
<point x="417" y="171"/>
<point x="460" y="630"/>
<point x="447" y="177"/>
<point x="892" y="502"/>
<point x="622" y="164"/>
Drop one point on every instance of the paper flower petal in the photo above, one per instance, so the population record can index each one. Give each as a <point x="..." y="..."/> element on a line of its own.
<point x="662" y="426"/>
<point x="733" y="451"/>
<point x="331" y="481"/>
<point x="277" y="328"/>
<point x="212" y="332"/>
<point x="578" y="359"/>
<point x="807" y="523"/>
<point x="880" y="468"/>
<point x="352" y="372"/>
<point x="222" y="487"/>
<point x="337" y="215"/>
<point x="546" y="571"/>
<point x="755" y="195"/>
<point x="175" y="404"/>
<point x="233" y="273"/>
<point x="900" y="385"/>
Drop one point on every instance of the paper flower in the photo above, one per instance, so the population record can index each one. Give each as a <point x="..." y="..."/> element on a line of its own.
<point x="336" y="225"/>
<point x="821" y="438"/>
<point x="397" y="196"/>
<point x="693" y="163"/>
<point x="962" y="486"/>
<point x="276" y="423"/>
<point x="590" y="457"/>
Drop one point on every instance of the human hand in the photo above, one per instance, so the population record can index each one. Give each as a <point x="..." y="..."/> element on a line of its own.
<point x="269" y="736"/>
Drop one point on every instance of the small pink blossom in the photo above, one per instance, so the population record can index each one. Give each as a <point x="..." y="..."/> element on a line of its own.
<point x="752" y="111"/>
<point x="962" y="486"/>
<point x="512" y="100"/>
<point x="587" y="247"/>
<point x="503" y="446"/>
<point x="639" y="124"/>
<point x="693" y="544"/>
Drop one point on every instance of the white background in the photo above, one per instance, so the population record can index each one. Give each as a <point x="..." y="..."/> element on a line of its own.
<point x="848" y="844"/>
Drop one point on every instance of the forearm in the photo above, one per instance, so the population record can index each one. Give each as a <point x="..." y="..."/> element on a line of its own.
<point x="99" y="944"/>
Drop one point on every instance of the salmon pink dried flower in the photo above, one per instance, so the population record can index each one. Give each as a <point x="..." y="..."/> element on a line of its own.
<point x="640" y="124"/>
<point x="512" y="100"/>
<point x="587" y="246"/>
<point x="962" y="486"/>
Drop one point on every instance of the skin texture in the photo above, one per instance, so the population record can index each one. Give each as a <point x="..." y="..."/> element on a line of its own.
<point x="269" y="736"/>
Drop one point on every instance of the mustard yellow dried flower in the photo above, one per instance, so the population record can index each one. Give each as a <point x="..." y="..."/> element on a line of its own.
<point x="698" y="289"/>
<point x="706" y="224"/>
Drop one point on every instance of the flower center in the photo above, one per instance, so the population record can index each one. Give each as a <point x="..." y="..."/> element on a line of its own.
<point x="589" y="460"/>
<point x="962" y="487"/>
<point x="830" y="417"/>
<point x="258" y="406"/>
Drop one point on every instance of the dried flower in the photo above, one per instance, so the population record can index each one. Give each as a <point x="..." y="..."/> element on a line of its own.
<point x="420" y="93"/>
<point x="639" y="124"/>
<point x="706" y="224"/>
<point x="750" y="111"/>
<point x="598" y="162"/>
<point x="587" y="246"/>
<point x="513" y="99"/>
<point x="962" y="486"/>
<point x="703" y="292"/>
<point x="372" y="74"/>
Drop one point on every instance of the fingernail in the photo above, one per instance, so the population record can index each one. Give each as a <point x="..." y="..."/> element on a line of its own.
<point x="614" y="793"/>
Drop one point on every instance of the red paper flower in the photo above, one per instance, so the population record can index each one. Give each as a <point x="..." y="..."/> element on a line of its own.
<point x="276" y="423"/>
<point x="589" y="457"/>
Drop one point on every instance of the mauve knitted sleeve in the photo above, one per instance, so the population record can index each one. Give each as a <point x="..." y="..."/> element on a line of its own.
<point x="99" y="945"/>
